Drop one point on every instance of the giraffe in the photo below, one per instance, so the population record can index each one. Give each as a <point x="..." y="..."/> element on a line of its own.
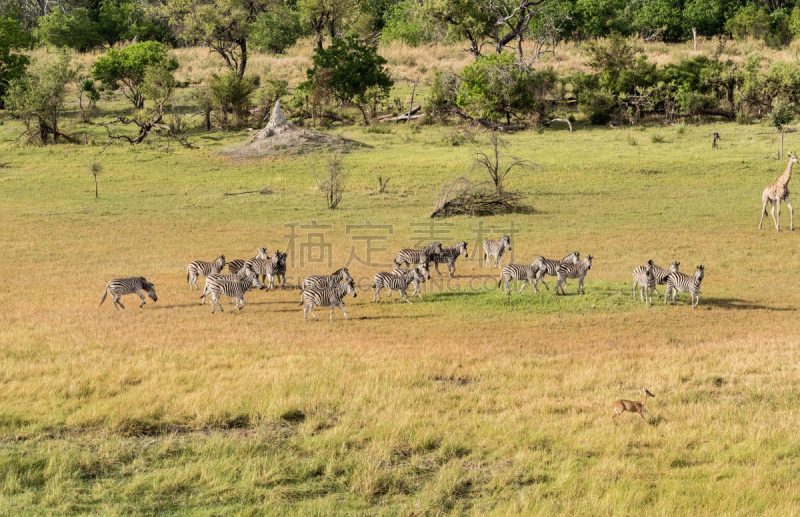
<point x="777" y="192"/>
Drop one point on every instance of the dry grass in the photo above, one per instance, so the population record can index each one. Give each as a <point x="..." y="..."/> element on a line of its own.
<point x="466" y="402"/>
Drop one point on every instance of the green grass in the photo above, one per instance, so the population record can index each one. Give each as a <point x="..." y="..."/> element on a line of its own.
<point x="465" y="402"/>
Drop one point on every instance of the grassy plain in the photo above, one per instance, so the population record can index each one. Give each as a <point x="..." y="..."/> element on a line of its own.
<point x="465" y="402"/>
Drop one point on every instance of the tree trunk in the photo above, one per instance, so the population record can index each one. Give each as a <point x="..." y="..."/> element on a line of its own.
<point x="364" y="114"/>
<point x="208" y="120"/>
<point x="243" y="60"/>
<point x="411" y="104"/>
<point x="694" y="37"/>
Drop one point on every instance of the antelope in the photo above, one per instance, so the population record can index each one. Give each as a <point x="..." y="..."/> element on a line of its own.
<point x="621" y="406"/>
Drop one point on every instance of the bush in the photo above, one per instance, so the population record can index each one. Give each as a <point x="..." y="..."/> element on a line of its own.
<point x="38" y="97"/>
<point x="406" y="23"/>
<point x="351" y="72"/>
<point x="749" y="21"/>
<point x="232" y="96"/>
<point x="129" y="65"/>
<point x="75" y="30"/>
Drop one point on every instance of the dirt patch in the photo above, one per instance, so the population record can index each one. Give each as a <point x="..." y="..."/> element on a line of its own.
<point x="293" y="142"/>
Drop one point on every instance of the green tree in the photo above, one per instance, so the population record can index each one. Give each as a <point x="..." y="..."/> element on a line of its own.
<point x="326" y="16"/>
<point x="750" y="21"/>
<point x="129" y="65"/>
<point x="231" y="95"/>
<point x="38" y="96"/>
<point x="665" y="16"/>
<point x="223" y="25"/>
<point x="12" y="63"/>
<point x="351" y="71"/>
<point x="782" y="115"/>
<point x="75" y="30"/>
<point x="277" y="30"/>
<point x="596" y="18"/>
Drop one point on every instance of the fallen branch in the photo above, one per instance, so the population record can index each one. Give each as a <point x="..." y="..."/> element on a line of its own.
<point x="560" y="120"/>
<point x="240" y="193"/>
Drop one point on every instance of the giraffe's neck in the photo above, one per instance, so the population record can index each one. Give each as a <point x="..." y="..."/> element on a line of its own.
<point x="787" y="175"/>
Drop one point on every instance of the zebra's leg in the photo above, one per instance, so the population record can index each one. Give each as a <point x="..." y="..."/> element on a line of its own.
<point x="341" y="306"/>
<point x="416" y="290"/>
<point x="674" y="295"/>
<point x="242" y="303"/>
<point x="791" y="213"/>
<point x="580" y="286"/>
<point x="453" y="266"/>
<point x="140" y="295"/>
<point x="508" y="291"/>
<point x="332" y="306"/>
<point x="634" y="290"/>
<point x="404" y="295"/>
<point x="310" y="308"/>
<point x="666" y="296"/>
<point x="524" y="283"/>
<point x="436" y="267"/>
<point x="116" y="299"/>
<point x="377" y="296"/>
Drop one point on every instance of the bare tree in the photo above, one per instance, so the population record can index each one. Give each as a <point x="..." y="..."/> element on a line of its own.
<point x="331" y="181"/>
<point x="95" y="169"/>
<point x="490" y="162"/>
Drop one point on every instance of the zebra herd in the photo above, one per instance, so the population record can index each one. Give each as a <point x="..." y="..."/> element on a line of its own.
<point x="330" y="290"/>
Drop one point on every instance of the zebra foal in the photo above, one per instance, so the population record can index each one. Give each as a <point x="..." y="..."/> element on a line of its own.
<point x="327" y="296"/>
<point x="448" y="256"/>
<point x="235" y="265"/>
<point x="398" y="282"/>
<point x="579" y="270"/>
<point x="644" y="277"/>
<point x="685" y="284"/>
<point x="493" y="248"/>
<point x="212" y="281"/>
<point x="200" y="267"/>
<point x="122" y="286"/>
<point x="410" y="257"/>
<point x="423" y="271"/>
<point x="519" y="272"/>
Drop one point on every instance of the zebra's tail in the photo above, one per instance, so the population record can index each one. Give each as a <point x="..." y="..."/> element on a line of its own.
<point x="500" y="282"/>
<point x="105" y="293"/>
<point x="302" y="300"/>
<point x="187" y="274"/>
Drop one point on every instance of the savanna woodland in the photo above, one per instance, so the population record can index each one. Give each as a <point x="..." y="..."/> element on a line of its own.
<point x="301" y="158"/>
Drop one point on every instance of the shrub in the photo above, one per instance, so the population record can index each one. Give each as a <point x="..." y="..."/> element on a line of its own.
<point x="351" y="72"/>
<point x="75" y="30"/>
<point x="38" y="96"/>
<point x="749" y="21"/>
<point x="232" y="95"/>
<point x="129" y="65"/>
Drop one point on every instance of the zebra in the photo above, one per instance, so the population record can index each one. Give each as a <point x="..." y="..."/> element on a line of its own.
<point x="135" y="285"/>
<point x="212" y="280"/>
<point x="492" y="248"/>
<point x="661" y="274"/>
<point x="413" y="256"/>
<point x="323" y="296"/>
<point x="686" y="284"/>
<point x="519" y="272"/>
<point x="235" y="265"/>
<point x="269" y="268"/>
<point x="423" y="271"/>
<point x="643" y="277"/>
<point x="399" y="282"/>
<point x="199" y="267"/>
<point x="567" y="270"/>
<point x="332" y="280"/>
<point x="550" y="267"/>
<point x="218" y="285"/>
<point x="448" y="256"/>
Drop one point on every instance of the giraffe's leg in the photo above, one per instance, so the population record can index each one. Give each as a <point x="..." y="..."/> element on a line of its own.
<point x="778" y="224"/>
<point x="791" y="213"/>
<point x="772" y="212"/>
<point x="763" y="211"/>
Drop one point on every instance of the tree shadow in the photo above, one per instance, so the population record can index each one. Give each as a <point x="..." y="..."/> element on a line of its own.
<point x="738" y="304"/>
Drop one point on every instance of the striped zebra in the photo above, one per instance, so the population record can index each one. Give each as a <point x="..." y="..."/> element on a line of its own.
<point x="550" y="267"/>
<point x="122" y="286"/>
<point x="235" y="265"/>
<point x="269" y="268"/>
<point x="643" y="277"/>
<point x="661" y="274"/>
<point x="234" y="287"/>
<point x="685" y="284"/>
<point x="448" y="256"/>
<point x="199" y="267"/>
<point x="518" y="272"/>
<point x="423" y="271"/>
<point x="326" y="281"/>
<point x="211" y="280"/>
<point x="492" y="248"/>
<point x="411" y="257"/>
<point x="327" y="296"/>
<point x="567" y="270"/>
<point x="398" y="282"/>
